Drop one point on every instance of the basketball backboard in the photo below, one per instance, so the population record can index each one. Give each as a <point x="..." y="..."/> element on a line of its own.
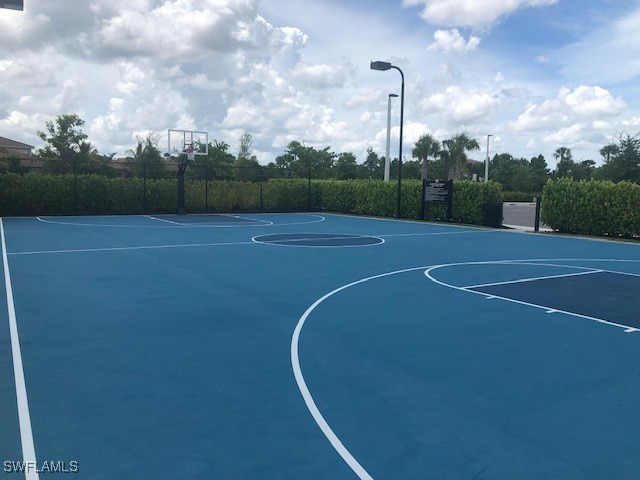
<point x="187" y="142"/>
<point x="12" y="4"/>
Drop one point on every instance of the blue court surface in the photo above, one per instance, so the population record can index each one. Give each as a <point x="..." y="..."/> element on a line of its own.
<point x="315" y="346"/>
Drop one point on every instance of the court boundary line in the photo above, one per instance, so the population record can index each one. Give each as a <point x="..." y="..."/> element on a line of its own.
<point x="144" y="247"/>
<point x="426" y="234"/>
<point x="531" y="279"/>
<point x="24" y="417"/>
<point x="151" y="217"/>
<point x="204" y="224"/>
<point x="265" y="223"/>
<point x="326" y="429"/>
<point x="322" y="423"/>
<point x="547" y="309"/>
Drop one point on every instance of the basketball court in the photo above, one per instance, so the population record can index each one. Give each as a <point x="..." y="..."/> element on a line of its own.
<point x="312" y="345"/>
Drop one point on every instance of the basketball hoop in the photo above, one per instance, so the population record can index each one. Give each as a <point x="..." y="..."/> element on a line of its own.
<point x="187" y="144"/>
<point x="190" y="153"/>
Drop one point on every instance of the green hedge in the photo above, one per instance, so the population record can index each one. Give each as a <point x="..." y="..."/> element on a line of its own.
<point x="374" y="197"/>
<point x="93" y="194"/>
<point x="592" y="207"/>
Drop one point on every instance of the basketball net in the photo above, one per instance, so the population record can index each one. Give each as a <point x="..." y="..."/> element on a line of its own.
<point x="190" y="153"/>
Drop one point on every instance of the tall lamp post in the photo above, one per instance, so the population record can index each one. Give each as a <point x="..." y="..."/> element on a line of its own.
<point x="387" y="161"/>
<point x="382" y="66"/>
<point x="486" y="162"/>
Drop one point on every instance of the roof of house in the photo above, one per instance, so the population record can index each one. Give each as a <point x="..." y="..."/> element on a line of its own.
<point x="8" y="143"/>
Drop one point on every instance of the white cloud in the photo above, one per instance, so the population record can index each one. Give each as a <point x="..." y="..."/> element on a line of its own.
<point x="580" y="104"/>
<point x="322" y="76"/>
<point x="470" y="13"/>
<point x="450" y="41"/>
<point x="27" y="70"/>
<point x="299" y="71"/>
<point x="463" y="107"/>
<point x="361" y="99"/>
<point x="591" y="101"/>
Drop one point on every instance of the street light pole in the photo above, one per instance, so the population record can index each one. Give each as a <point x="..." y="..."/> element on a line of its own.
<point x="382" y="66"/>
<point x="486" y="162"/>
<point x="387" y="160"/>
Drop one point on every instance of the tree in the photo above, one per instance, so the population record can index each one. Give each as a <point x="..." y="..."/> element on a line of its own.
<point x="608" y="150"/>
<point x="246" y="166"/>
<point x="502" y="169"/>
<point x="346" y="166"/>
<point x="564" y="162"/>
<point x="411" y="169"/>
<point x="66" y="143"/>
<point x="426" y="146"/>
<point x="216" y="165"/>
<point x="373" y="166"/>
<point x="245" y="149"/>
<point x="539" y="168"/>
<point x="302" y="161"/>
<point x="583" y="170"/>
<point x="455" y="153"/>
<point x="524" y="179"/>
<point x="147" y="158"/>
<point x="474" y="167"/>
<point x="624" y="160"/>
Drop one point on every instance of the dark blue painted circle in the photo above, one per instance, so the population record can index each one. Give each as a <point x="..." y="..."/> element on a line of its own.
<point x="318" y="240"/>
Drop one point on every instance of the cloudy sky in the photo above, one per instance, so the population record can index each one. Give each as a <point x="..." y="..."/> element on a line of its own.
<point x="536" y="74"/>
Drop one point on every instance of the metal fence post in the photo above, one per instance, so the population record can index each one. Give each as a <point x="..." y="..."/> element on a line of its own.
<point x="144" y="187"/>
<point x="261" y="190"/>
<point x="206" y="189"/>
<point x="75" y="188"/>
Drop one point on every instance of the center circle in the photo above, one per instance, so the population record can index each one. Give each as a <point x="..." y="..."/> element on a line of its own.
<point x="318" y="240"/>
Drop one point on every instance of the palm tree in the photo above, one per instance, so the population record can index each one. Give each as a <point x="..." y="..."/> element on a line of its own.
<point x="608" y="150"/>
<point x="455" y="155"/>
<point x="562" y="153"/>
<point x="426" y="146"/>
<point x="564" y="161"/>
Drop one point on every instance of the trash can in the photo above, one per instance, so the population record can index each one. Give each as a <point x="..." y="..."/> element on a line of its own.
<point x="492" y="214"/>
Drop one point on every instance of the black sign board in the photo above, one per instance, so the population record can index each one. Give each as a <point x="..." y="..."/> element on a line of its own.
<point x="438" y="192"/>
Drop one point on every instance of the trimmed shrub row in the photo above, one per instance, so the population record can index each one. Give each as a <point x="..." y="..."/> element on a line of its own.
<point x="592" y="207"/>
<point x="93" y="194"/>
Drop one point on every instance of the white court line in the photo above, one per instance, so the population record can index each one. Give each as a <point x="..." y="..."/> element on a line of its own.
<point x="24" y="418"/>
<point x="151" y="217"/>
<point x="436" y="233"/>
<point x="265" y="223"/>
<point x="328" y="432"/>
<point x="357" y="468"/>
<point x="428" y="271"/>
<point x="246" y="218"/>
<point x="623" y="273"/>
<point x="119" y="249"/>
<point x="531" y="279"/>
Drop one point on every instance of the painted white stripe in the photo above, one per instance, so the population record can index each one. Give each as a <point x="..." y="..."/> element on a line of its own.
<point x="246" y="218"/>
<point x="264" y="223"/>
<point x="436" y="233"/>
<point x="302" y="385"/>
<point x="547" y="309"/>
<point x="295" y="339"/>
<point x="119" y="249"/>
<point x="532" y="279"/>
<point x="151" y="217"/>
<point x="24" y="419"/>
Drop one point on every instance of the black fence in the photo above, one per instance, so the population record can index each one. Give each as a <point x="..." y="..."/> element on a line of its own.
<point x="129" y="187"/>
